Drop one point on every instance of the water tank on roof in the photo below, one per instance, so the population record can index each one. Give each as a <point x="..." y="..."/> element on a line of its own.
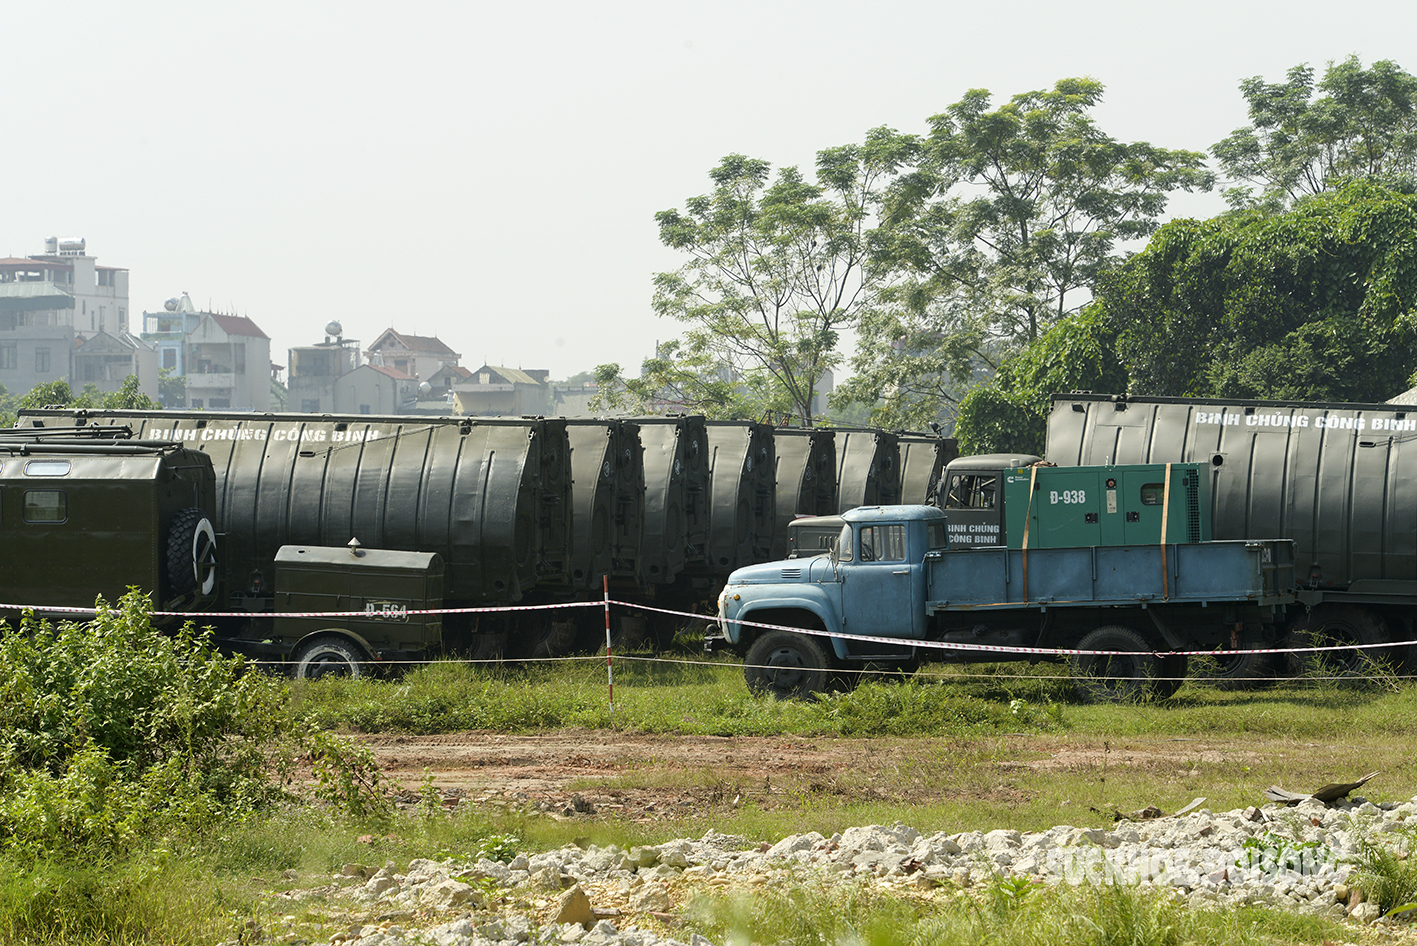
<point x="334" y="328"/>
<point x="170" y="305"/>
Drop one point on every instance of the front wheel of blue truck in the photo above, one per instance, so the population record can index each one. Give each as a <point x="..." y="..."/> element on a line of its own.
<point x="1131" y="673"/>
<point x="787" y="665"/>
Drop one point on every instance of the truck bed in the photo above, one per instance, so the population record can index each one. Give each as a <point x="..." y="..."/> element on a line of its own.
<point x="1253" y="571"/>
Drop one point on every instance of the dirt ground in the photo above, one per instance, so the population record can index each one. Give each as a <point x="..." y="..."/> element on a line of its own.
<point x="638" y="776"/>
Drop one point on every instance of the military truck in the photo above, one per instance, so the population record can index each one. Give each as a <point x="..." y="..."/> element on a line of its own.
<point x="91" y="511"/>
<point x="895" y="583"/>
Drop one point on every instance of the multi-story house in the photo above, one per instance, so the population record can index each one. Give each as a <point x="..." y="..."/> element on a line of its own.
<point x="416" y="355"/>
<point x="314" y="369"/>
<point x="52" y="306"/>
<point x="228" y="362"/>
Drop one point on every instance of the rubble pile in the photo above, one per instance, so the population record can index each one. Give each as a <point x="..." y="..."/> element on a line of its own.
<point x="1300" y="857"/>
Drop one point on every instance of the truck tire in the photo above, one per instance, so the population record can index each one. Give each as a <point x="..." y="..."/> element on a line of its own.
<point x="191" y="554"/>
<point x="1128" y="677"/>
<point x="787" y="665"/>
<point x="328" y="656"/>
<point x="1331" y="625"/>
<point x="1237" y="671"/>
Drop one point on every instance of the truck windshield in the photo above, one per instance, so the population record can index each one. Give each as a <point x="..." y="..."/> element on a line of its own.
<point x="843" y="545"/>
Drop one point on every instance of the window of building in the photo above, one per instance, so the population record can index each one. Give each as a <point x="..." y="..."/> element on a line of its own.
<point x="364" y="409"/>
<point x="196" y="404"/>
<point x="9" y="356"/>
<point x="219" y="403"/>
<point x="41" y="360"/>
<point x="45" y="505"/>
<point x="169" y="358"/>
<point x="310" y="405"/>
<point x="239" y="355"/>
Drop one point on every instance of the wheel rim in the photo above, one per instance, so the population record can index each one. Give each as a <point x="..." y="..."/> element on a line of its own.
<point x="328" y="664"/>
<point x="787" y="670"/>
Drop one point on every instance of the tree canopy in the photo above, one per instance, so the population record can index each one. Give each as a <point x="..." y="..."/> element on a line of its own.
<point x="1363" y="124"/>
<point x="1318" y="303"/>
<point x="777" y="267"/>
<point x="998" y="231"/>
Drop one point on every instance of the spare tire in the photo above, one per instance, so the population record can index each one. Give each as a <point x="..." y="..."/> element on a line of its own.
<point x="191" y="554"/>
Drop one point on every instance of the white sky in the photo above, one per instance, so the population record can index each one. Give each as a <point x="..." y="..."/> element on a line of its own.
<point x="488" y="173"/>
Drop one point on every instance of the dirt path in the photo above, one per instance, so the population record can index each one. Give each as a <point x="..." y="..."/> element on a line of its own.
<point x="639" y="776"/>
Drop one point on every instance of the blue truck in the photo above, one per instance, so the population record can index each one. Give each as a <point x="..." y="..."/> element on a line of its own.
<point x="893" y="590"/>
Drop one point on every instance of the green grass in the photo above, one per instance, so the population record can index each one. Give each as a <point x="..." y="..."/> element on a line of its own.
<point x="1008" y="913"/>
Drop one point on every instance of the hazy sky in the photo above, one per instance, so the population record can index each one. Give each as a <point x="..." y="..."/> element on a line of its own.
<point x="488" y="173"/>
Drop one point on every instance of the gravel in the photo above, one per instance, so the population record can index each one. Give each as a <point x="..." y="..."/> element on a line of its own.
<point x="1299" y="857"/>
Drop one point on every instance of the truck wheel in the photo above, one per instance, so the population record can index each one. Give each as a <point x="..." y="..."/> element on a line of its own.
<point x="787" y="665"/>
<point x="328" y="657"/>
<point x="191" y="554"/>
<point x="1171" y="676"/>
<point x="1117" y="678"/>
<point x="1237" y="671"/>
<point x="1331" y="625"/>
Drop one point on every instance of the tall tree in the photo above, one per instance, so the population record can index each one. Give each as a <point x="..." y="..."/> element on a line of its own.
<point x="776" y="269"/>
<point x="1363" y="124"/>
<point x="1317" y="303"/>
<point x="1000" y="230"/>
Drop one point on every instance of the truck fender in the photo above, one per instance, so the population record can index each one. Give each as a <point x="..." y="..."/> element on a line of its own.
<point x="818" y="609"/>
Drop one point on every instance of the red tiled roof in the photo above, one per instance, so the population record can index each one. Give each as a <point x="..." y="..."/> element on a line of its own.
<point x="238" y="325"/>
<point x="418" y="343"/>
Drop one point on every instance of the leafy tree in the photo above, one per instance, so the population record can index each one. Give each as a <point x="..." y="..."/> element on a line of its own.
<point x="1363" y="125"/>
<point x="1006" y="222"/>
<point x="172" y="388"/>
<point x="1317" y="303"/>
<point x="1009" y="415"/>
<point x="776" y="269"/>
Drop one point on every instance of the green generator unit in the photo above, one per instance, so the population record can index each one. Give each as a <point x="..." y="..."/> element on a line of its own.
<point x="1050" y="507"/>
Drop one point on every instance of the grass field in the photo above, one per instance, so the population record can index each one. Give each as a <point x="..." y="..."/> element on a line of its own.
<point x="974" y="739"/>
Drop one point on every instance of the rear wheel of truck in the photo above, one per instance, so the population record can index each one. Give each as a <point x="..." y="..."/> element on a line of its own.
<point x="328" y="657"/>
<point x="787" y="665"/>
<point x="1129" y="676"/>
<point x="1334" y="625"/>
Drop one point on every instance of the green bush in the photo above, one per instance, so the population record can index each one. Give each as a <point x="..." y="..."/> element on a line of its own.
<point x="111" y="730"/>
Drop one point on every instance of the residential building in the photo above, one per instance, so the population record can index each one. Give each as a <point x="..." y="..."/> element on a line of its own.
<point x="314" y="369"/>
<point x="375" y="389"/>
<point x="498" y="391"/>
<point x="416" y="355"/>
<point x="54" y="302"/>
<point x="228" y="362"/>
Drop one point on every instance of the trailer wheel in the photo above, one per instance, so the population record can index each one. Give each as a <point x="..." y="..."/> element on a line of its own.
<point x="787" y="665"/>
<point x="539" y="637"/>
<point x="1126" y="677"/>
<point x="191" y="554"/>
<point x="328" y="657"/>
<point x="1331" y="625"/>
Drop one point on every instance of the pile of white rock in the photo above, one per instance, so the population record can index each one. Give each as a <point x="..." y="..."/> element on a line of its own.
<point x="1301" y="857"/>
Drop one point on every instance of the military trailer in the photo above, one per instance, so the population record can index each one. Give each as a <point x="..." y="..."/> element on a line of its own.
<point x="90" y="511"/>
<point x="805" y="479"/>
<point x="922" y="462"/>
<point x="492" y="497"/>
<point x="1335" y="478"/>
<point x="868" y="468"/>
